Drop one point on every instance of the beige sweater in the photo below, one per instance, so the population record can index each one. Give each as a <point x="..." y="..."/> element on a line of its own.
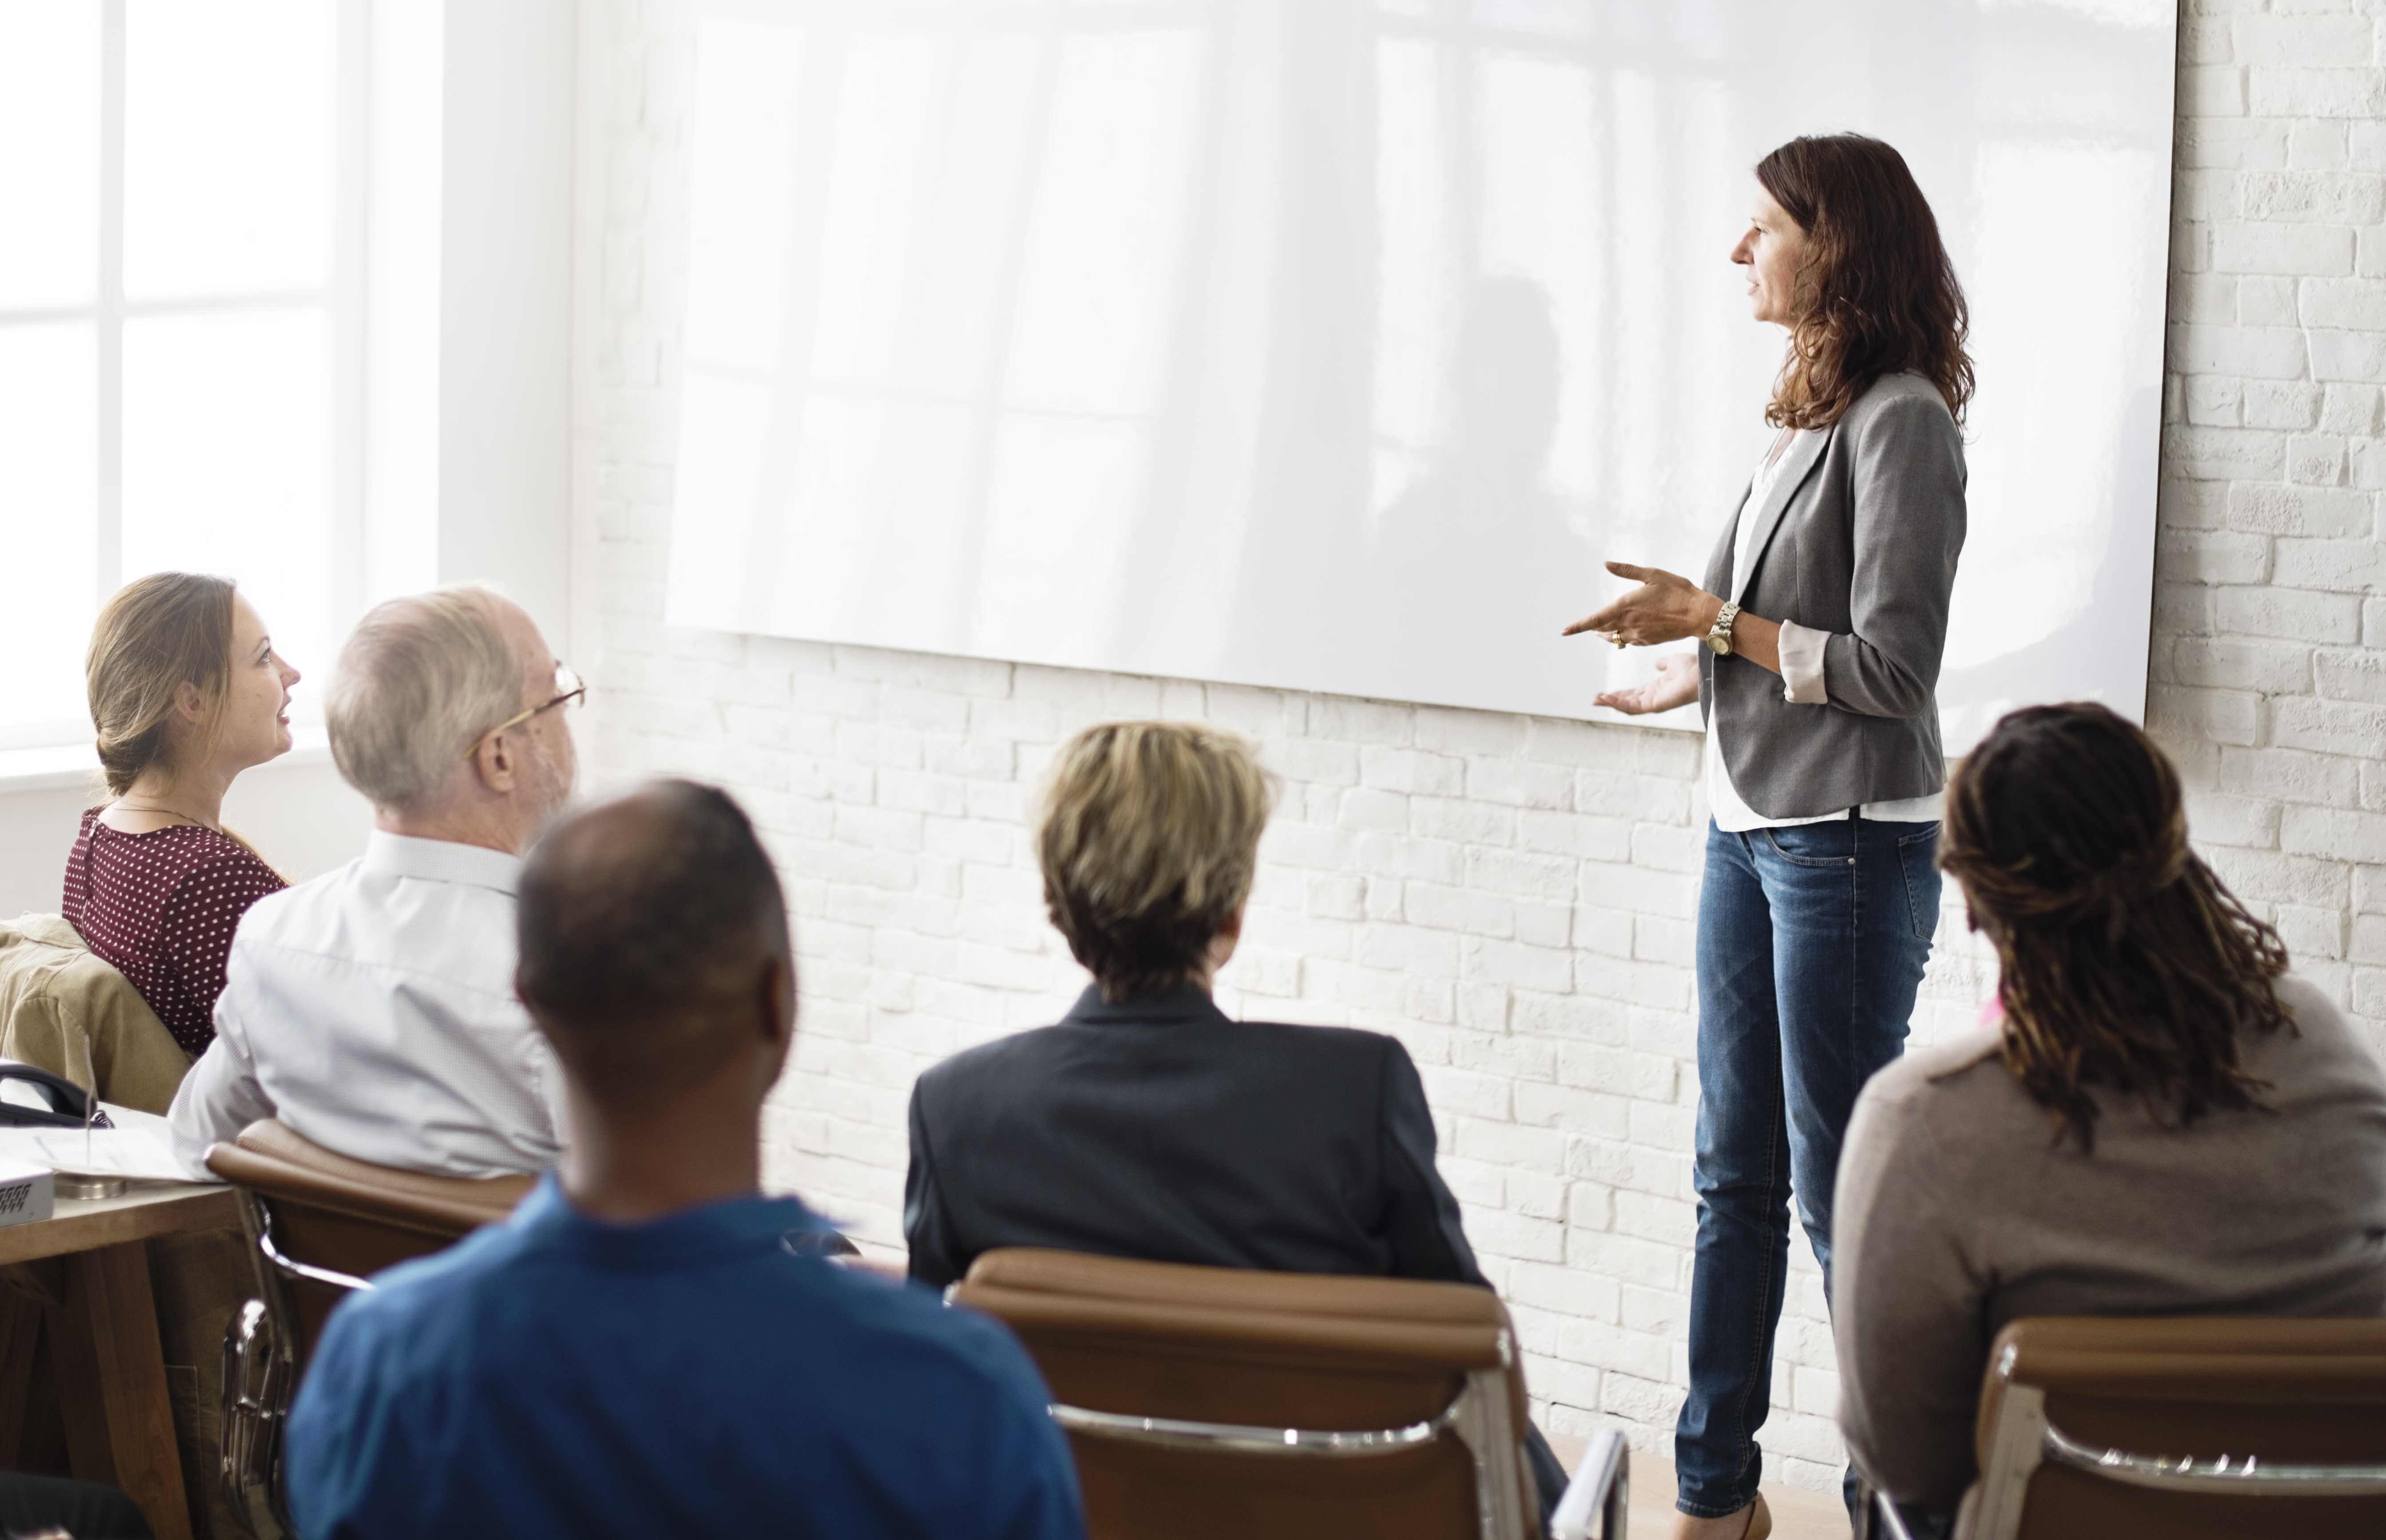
<point x="1957" y="1212"/>
<point x="63" y="1008"/>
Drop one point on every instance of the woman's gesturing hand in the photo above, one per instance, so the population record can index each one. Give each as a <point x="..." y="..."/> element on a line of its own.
<point x="1663" y="608"/>
<point x="1676" y="684"/>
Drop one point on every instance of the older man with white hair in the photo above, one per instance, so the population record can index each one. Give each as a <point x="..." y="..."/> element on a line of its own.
<point x="372" y="1009"/>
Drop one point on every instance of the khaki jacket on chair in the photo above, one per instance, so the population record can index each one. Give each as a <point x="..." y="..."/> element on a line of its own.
<point x="58" y="998"/>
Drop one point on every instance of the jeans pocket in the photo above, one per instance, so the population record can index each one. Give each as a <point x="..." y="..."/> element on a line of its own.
<point x="1917" y="857"/>
<point x="1831" y="843"/>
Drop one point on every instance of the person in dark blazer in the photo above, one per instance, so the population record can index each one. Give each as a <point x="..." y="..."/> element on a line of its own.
<point x="1147" y="1123"/>
<point x="1156" y="1127"/>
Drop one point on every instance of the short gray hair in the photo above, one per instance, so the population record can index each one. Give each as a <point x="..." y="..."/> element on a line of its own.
<point x="418" y="683"/>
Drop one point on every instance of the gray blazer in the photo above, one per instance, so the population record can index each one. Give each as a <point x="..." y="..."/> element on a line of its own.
<point x="1859" y="539"/>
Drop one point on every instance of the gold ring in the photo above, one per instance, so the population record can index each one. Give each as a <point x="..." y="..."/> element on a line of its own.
<point x="1618" y="640"/>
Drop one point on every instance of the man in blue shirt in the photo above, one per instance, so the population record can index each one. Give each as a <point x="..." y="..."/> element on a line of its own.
<point x="649" y="1347"/>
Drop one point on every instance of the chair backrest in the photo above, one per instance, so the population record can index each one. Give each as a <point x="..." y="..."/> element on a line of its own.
<point x="321" y="1224"/>
<point x="65" y="1009"/>
<point x="318" y="1224"/>
<point x="2183" y="1427"/>
<point x="1207" y="1401"/>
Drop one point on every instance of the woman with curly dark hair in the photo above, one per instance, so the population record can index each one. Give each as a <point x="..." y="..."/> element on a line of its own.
<point x="1823" y="611"/>
<point x="2158" y="1119"/>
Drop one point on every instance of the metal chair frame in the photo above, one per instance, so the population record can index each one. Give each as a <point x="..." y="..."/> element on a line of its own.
<point x="1479" y="1418"/>
<point x="260" y="1374"/>
<point x="256" y="1400"/>
<point x="1600" y="1491"/>
<point x="2025" y="1439"/>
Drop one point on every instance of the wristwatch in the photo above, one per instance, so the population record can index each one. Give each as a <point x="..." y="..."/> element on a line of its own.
<point x="1719" y="634"/>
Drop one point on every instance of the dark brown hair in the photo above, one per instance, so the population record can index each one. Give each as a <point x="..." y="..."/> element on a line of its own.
<point x="2126" y="964"/>
<point x="1877" y="294"/>
<point x="157" y="635"/>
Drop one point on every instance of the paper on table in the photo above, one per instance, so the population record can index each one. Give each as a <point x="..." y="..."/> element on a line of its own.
<point x="135" y="1147"/>
<point x="147" y="1123"/>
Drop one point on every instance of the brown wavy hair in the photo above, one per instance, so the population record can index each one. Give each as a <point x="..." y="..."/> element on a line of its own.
<point x="156" y="634"/>
<point x="2128" y="966"/>
<point x="1877" y="295"/>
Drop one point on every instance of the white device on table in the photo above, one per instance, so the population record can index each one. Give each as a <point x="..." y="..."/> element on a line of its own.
<point x="27" y="1193"/>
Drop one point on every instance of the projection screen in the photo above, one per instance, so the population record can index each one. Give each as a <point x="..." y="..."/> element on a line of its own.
<point x="1333" y="344"/>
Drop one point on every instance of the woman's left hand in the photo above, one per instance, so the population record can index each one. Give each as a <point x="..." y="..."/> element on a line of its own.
<point x="1663" y="608"/>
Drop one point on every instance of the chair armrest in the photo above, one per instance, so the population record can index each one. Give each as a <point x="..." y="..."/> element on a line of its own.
<point x="1598" y="1492"/>
<point x="1882" y="1522"/>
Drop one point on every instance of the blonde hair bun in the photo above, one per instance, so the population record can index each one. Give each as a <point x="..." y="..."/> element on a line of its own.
<point x="154" y="635"/>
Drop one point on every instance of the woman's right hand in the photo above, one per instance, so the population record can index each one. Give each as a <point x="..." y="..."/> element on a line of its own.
<point x="1676" y="684"/>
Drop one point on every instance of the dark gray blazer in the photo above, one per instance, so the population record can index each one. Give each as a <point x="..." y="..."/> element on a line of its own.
<point x="1158" y="1128"/>
<point x="1858" y="538"/>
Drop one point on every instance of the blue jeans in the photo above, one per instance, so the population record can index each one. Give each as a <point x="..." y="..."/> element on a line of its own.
<point x="1811" y="946"/>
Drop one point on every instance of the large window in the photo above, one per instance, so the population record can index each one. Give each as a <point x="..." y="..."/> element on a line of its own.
<point x="180" y="222"/>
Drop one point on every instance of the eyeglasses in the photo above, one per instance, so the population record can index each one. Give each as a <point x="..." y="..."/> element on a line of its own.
<point x="570" y="689"/>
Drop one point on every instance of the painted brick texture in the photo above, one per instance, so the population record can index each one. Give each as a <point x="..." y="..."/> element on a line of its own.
<point x="1514" y="897"/>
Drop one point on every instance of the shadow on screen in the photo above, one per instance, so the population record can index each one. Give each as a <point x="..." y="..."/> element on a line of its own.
<point x="1478" y="546"/>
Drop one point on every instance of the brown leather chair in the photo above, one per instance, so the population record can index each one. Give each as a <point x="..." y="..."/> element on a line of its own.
<point x="318" y="1224"/>
<point x="1207" y="1401"/>
<point x="2181" y="1427"/>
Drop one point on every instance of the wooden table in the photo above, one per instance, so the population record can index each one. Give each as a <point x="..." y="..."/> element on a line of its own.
<point x="85" y="1271"/>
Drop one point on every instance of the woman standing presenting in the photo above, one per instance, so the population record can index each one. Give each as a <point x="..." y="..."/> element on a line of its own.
<point x="1823" y="614"/>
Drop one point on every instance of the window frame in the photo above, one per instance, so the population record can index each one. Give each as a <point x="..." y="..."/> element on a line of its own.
<point x="340" y="299"/>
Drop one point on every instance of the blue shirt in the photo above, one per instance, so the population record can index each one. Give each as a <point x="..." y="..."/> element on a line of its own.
<point x="554" y="1375"/>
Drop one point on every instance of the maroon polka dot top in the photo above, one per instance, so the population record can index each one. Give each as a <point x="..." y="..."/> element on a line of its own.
<point x="160" y="907"/>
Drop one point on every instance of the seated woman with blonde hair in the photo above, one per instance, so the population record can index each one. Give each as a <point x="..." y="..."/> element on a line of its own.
<point x="1148" y="1123"/>
<point x="187" y="692"/>
<point x="2160" y="1120"/>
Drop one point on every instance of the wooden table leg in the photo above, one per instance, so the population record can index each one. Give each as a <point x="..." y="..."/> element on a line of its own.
<point x="119" y="1422"/>
<point x="20" y="1332"/>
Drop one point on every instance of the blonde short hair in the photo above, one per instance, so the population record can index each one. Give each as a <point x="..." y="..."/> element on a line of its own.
<point x="1149" y="838"/>
<point x="418" y="683"/>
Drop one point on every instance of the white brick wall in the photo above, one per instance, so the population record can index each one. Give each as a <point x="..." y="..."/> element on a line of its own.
<point x="1513" y="896"/>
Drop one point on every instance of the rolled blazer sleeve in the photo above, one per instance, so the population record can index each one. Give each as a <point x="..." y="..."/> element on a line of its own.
<point x="1909" y="1309"/>
<point x="1802" y="654"/>
<point x="1909" y="529"/>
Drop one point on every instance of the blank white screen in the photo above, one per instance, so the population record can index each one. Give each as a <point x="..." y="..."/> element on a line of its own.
<point x="1332" y="345"/>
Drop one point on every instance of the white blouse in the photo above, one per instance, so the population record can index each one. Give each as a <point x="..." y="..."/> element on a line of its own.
<point x="1801" y="684"/>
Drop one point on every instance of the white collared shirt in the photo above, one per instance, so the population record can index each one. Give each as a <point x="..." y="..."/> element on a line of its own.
<point x="1801" y="684"/>
<point x="372" y="1010"/>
